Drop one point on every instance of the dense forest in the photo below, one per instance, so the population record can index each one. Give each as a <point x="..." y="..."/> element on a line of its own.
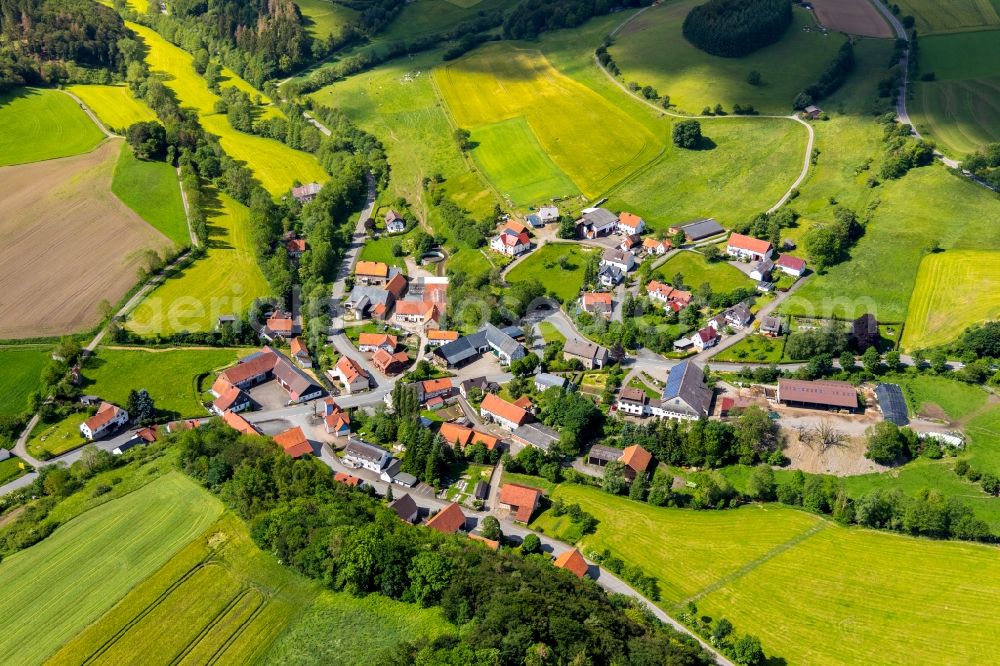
<point x="735" y="28"/>
<point x="512" y="608"/>
<point x="49" y="41"/>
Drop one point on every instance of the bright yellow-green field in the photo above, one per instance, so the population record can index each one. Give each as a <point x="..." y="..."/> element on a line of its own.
<point x="114" y="105"/>
<point x="814" y="592"/>
<point x="59" y="586"/>
<point x="274" y="163"/>
<point x="225" y="281"/>
<point x="953" y="290"/>
<point x="41" y="124"/>
<point x="961" y="116"/>
<point x="590" y="139"/>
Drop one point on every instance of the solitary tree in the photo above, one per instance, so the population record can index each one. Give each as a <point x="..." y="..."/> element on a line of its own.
<point x="531" y="544"/>
<point x="687" y="134"/>
<point x="753" y="78"/>
<point x="491" y="528"/>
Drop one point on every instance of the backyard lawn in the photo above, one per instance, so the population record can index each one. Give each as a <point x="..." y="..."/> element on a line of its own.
<point x="543" y="266"/>
<point x="697" y="271"/>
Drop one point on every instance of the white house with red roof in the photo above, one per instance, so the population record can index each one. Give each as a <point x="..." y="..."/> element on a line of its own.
<point x="511" y="243"/>
<point x="629" y="223"/>
<point x="350" y="373"/>
<point x="654" y="246"/>
<point x="790" y="265"/>
<point x="107" y="419"/>
<point x="705" y="338"/>
<point x="748" y="248"/>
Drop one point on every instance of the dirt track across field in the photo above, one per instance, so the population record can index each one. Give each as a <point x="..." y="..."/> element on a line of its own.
<point x="855" y="17"/>
<point x="69" y="243"/>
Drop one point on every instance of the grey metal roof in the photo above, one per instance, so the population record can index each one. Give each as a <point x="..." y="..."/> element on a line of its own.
<point x="537" y="434"/>
<point x="890" y="399"/>
<point x="457" y="351"/>
<point x="702" y="228"/>
<point x="617" y="255"/>
<point x="740" y="311"/>
<point x="770" y="324"/>
<point x="365" y="451"/>
<point x="501" y="340"/>
<point x="602" y="452"/>
<point x="405" y="479"/>
<point x="404" y="506"/>
<point x="687" y="383"/>
<point x="293" y="378"/>
<point x="600" y="217"/>
<point x="468" y="346"/>
<point x="584" y="349"/>
<point x="547" y="379"/>
<point x="375" y="295"/>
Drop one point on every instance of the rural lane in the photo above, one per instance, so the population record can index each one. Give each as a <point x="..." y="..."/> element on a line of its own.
<point x="93" y="116"/>
<point x="187" y="211"/>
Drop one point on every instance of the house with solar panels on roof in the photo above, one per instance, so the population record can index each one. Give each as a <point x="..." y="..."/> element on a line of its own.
<point x="685" y="397"/>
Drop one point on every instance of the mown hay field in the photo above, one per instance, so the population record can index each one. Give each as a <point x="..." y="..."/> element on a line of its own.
<point x="934" y="16"/>
<point x="814" y="592"/>
<point x="220" y="598"/>
<point x="114" y="105"/>
<point x="37" y="124"/>
<point x="953" y="290"/>
<point x="324" y="18"/>
<point x="69" y="243"/>
<point x="510" y="156"/>
<point x="590" y="139"/>
<point x="225" y="281"/>
<point x="960" y="108"/>
<point x="273" y="163"/>
<point x="58" y="587"/>
<point x="22" y="369"/>
<point x="152" y="190"/>
<point x="652" y="51"/>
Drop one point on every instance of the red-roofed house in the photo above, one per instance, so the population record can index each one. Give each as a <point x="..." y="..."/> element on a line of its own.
<point x="572" y="561"/>
<point x="417" y="312"/>
<point x="389" y="364"/>
<point x="501" y="412"/>
<point x="296" y="247"/>
<point x="664" y="293"/>
<point x="350" y="373"/>
<point x="630" y="224"/>
<point x="396" y="286"/>
<point x="790" y="265"/>
<point x="489" y="543"/>
<point x="597" y="302"/>
<point x="107" y="419"/>
<point x="294" y="442"/>
<point x="747" y="247"/>
<point x="510" y="243"/>
<point x="348" y="479"/>
<point x="636" y="460"/>
<point x="454" y="434"/>
<point x="232" y="399"/>
<point x="438" y="338"/>
<point x="520" y="500"/>
<point x="370" y="342"/>
<point x="705" y="338"/>
<point x="371" y="272"/>
<point x="336" y="420"/>
<point x="653" y="246"/>
<point x="300" y="353"/>
<point x="448" y="520"/>
<point x="433" y="388"/>
<point x="238" y="423"/>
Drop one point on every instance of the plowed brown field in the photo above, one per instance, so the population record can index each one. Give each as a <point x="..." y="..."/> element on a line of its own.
<point x="68" y="243"/>
<point x="855" y="17"/>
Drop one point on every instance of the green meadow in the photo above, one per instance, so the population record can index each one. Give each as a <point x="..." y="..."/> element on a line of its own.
<point x="933" y="16"/>
<point x="324" y="17"/>
<point x="22" y="369"/>
<point x="893" y="599"/>
<point x="652" y="51"/>
<point x="114" y="105"/>
<point x="41" y="124"/>
<point x="151" y="189"/>
<point x="543" y="266"/>
<point x="697" y="271"/>
<point x="61" y="585"/>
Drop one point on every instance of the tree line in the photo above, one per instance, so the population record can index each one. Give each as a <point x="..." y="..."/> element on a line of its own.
<point x="530" y="18"/>
<point x="349" y="541"/>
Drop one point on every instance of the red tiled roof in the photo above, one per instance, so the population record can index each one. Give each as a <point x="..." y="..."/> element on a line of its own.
<point x="448" y="336"/>
<point x="707" y="334"/>
<point x="148" y="434"/>
<point x="259" y="365"/>
<point x="372" y="269"/>
<point x="434" y="385"/>
<point x="487" y="440"/>
<point x="788" y="261"/>
<point x="296" y="245"/>
<point x="397" y="285"/>
<point x="515" y="226"/>
<point x="511" y="240"/>
<point x="490" y="543"/>
<point x="294" y="442"/>
<point x="597" y="297"/>
<point x="573" y="561"/>
<point x="449" y="520"/>
<point x="748" y="243"/>
<point x="298" y="348"/>
<point x="820" y="392"/>
<point x="377" y="339"/>
<point x="637" y="458"/>
<point x="347" y="479"/>
<point x="505" y="410"/>
<point x="524" y="402"/>
<point x="453" y="433"/>
<point x="652" y="243"/>
<point x="336" y="420"/>
<point x="280" y="324"/>
<point x="628" y="219"/>
<point x="350" y="369"/>
<point x="105" y="413"/>
<point x="523" y="499"/>
<point x="227" y="399"/>
<point x="238" y="423"/>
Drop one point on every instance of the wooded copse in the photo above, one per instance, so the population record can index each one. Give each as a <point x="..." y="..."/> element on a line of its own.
<point x="735" y="28"/>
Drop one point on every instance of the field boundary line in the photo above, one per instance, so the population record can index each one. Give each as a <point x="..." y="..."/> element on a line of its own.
<point x="187" y="210"/>
<point x="666" y="112"/>
<point x="265" y="599"/>
<point x="207" y="628"/>
<point x="753" y="564"/>
<point x="93" y="116"/>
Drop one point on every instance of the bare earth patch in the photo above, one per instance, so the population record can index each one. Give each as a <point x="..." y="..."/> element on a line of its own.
<point x="845" y="457"/>
<point x="855" y="17"/>
<point x="69" y="243"/>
